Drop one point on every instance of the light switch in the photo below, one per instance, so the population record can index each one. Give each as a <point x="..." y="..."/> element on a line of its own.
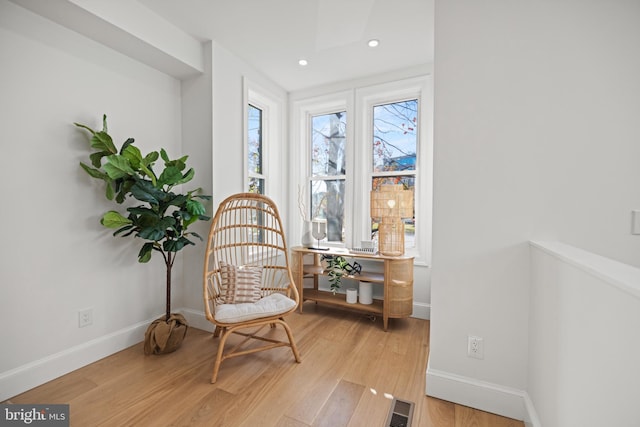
<point x="635" y="222"/>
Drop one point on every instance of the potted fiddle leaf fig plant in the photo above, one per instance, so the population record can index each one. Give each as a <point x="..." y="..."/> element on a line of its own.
<point x="160" y="216"/>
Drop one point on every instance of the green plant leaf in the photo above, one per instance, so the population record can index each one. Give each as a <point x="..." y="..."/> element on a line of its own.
<point x="96" y="158"/>
<point x="109" y="192"/>
<point x="194" y="207"/>
<point x="145" y="252"/>
<point x="178" y="163"/>
<point x="177" y="200"/>
<point x="169" y="176"/>
<point x="164" y="155"/>
<point x="93" y="132"/>
<point x="197" y="235"/>
<point x="145" y="192"/>
<point x="113" y="219"/>
<point x="125" y="228"/>
<point x="150" y="158"/>
<point x="186" y="177"/>
<point x="96" y="173"/>
<point x="126" y="144"/>
<point x="176" y="245"/>
<point x="122" y="187"/>
<point x="156" y="229"/>
<point x="118" y="167"/>
<point x="133" y="155"/>
<point x="151" y="233"/>
<point x="140" y="210"/>
<point x="102" y="141"/>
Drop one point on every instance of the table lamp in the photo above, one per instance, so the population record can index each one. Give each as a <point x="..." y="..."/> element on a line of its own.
<point x="390" y="204"/>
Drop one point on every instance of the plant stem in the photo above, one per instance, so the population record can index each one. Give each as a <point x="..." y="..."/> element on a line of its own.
<point x="169" y="263"/>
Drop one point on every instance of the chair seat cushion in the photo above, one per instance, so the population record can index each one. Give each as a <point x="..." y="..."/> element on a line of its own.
<point x="270" y="305"/>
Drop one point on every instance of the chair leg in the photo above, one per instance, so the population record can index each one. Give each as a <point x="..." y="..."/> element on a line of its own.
<point x="216" y="365"/>
<point x="294" y="348"/>
<point x="225" y="334"/>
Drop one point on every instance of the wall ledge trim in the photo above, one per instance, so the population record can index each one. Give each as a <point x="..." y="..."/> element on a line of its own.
<point x="623" y="276"/>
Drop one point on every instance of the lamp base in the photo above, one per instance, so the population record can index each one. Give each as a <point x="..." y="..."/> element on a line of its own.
<point x="391" y="237"/>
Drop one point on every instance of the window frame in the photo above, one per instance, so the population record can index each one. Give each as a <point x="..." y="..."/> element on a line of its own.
<point x="273" y="109"/>
<point x="303" y="111"/>
<point x="366" y="99"/>
<point x="251" y="174"/>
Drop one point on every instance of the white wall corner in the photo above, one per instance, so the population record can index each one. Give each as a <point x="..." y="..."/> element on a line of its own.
<point x="421" y="310"/>
<point x="530" y="414"/>
<point x="482" y="395"/>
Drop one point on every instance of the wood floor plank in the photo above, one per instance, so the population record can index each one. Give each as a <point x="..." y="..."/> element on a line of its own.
<point x="436" y="413"/>
<point x="59" y="391"/>
<point x="290" y="422"/>
<point x="350" y="371"/>
<point x="323" y="370"/>
<point x="205" y="412"/>
<point x="340" y="407"/>
<point x="469" y="417"/>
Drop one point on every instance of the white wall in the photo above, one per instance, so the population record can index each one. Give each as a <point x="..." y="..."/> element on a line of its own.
<point x="585" y="310"/>
<point x="536" y="136"/>
<point x="197" y="141"/>
<point x="228" y="128"/>
<point x="56" y="258"/>
<point x="214" y="131"/>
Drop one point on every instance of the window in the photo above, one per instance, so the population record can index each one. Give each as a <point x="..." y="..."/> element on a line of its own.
<point x="394" y="152"/>
<point x="254" y="150"/>
<point x="328" y="171"/>
<point x="263" y="135"/>
<point x="349" y="143"/>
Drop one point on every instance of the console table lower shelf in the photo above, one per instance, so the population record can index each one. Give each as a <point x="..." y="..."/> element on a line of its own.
<point x="396" y="279"/>
<point x="339" y="300"/>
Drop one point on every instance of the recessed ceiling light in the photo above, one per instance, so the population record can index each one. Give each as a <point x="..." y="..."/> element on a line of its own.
<point x="303" y="62"/>
<point x="373" y="43"/>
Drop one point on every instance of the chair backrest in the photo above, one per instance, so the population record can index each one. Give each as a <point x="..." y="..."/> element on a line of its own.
<point x="247" y="231"/>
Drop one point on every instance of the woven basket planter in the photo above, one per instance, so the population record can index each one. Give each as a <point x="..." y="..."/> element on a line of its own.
<point x="164" y="337"/>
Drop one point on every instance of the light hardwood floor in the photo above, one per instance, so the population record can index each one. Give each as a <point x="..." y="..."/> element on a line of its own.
<point x="350" y="369"/>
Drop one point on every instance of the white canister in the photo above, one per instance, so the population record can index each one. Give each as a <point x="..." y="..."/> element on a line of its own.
<point x="352" y="295"/>
<point x="366" y="293"/>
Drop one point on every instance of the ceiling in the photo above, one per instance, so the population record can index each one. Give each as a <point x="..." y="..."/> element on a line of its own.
<point x="332" y="35"/>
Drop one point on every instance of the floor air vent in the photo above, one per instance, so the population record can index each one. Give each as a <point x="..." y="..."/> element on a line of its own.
<point x="400" y="414"/>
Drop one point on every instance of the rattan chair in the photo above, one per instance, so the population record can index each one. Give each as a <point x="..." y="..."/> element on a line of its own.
<point x="248" y="283"/>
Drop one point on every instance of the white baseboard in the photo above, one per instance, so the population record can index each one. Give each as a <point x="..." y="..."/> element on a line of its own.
<point x="486" y="396"/>
<point x="421" y="310"/>
<point x="38" y="372"/>
<point x="197" y="319"/>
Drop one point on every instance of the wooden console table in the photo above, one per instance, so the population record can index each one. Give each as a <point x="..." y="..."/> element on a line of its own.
<point x="396" y="278"/>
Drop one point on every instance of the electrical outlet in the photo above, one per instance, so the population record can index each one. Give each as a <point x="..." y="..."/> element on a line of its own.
<point x="475" y="347"/>
<point x="85" y="317"/>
